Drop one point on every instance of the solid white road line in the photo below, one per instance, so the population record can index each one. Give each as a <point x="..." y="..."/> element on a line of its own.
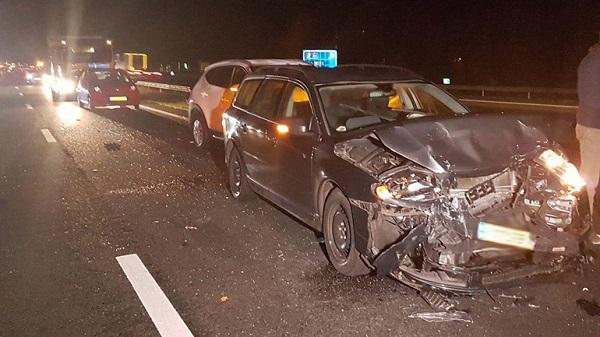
<point x="48" y="135"/>
<point x="162" y="113"/>
<point x="28" y="106"/>
<point x="520" y="103"/>
<point x="161" y="311"/>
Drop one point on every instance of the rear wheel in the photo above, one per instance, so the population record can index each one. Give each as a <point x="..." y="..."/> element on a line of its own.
<point x="236" y="173"/>
<point x="200" y="132"/>
<point x="338" y="231"/>
<point x="55" y="96"/>
<point x="91" y="105"/>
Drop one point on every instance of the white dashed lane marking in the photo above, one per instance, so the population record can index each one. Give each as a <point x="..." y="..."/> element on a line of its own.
<point x="161" y="311"/>
<point x="48" y="135"/>
<point x="28" y="106"/>
<point x="20" y="94"/>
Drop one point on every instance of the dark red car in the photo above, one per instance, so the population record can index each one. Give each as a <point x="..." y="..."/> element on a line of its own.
<point x="107" y="88"/>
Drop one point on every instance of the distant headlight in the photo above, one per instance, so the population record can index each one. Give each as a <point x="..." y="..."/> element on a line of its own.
<point x="565" y="171"/>
<point x="29" y="76"/>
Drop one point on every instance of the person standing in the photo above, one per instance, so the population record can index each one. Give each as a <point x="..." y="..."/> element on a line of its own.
<point x="588" y="127"/>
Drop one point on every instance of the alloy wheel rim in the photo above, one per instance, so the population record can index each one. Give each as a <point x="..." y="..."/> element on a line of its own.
<point x="236" y="177"/>
<point x="198" y="133"/>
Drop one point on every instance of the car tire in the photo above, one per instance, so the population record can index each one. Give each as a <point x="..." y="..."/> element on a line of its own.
<point x="55" y="97"/>
<point x="338" y="232"/>
<point x="91" y="106"/>
<point x="237" y="180"/>
<point x="136" y="107"/>
<point x="199" y="128"/>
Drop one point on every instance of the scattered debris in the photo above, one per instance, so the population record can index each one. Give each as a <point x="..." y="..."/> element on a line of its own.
<point x="590" y="307"/>
<point x="192" y="228"/>
<point x="437" y="300"/>
<point x="112" y="146"/>
<point x="444" y="316"/>
<point x="514" y="297"/>
<point x="585" y="289"/>
<point x="224" y="299"/>
<point x="525" y="300"/>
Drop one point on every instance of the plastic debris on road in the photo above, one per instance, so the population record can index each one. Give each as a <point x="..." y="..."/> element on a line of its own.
<point x="444" y="316"/>
<point x="590" y="307"/>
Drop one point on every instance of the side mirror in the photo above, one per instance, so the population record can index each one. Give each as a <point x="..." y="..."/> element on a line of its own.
<point x="292" y="126"/>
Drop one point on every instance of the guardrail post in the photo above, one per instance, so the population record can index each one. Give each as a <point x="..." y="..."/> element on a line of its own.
<point x="529" y="95"/>
<point x="482" y="92"/>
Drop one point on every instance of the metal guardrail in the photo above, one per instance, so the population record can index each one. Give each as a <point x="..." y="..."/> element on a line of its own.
<point x="163" y="86"/>
<point x="483" y="90"/>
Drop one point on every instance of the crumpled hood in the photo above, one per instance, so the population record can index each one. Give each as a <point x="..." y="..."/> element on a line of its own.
<point x="473" y="145"/>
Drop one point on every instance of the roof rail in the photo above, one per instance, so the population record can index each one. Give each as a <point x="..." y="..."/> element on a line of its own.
<point x="277" y="68"/>
<point x="368" y="65"/>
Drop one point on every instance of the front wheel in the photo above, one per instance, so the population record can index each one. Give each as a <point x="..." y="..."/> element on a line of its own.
<point x="236" y="173"/>
<point x="338" y="232"/>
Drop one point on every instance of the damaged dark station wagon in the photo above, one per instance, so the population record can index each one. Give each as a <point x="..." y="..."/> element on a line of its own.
<point x="400" y="178"/>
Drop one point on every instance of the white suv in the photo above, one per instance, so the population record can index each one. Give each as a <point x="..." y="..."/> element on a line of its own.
<point x="213" y="93"/>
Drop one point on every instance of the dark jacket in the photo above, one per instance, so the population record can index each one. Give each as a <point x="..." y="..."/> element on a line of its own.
<point x="588" y="89"/>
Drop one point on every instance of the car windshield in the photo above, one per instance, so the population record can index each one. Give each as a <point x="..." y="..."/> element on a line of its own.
<point x="111" y="76"/>
<point x="354" y="106"/>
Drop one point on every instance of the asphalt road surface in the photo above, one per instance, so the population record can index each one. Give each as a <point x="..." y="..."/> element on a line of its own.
<point x="120" y="182"/>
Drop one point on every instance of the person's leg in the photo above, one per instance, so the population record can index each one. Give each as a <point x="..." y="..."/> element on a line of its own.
<point x="589" y="143"/>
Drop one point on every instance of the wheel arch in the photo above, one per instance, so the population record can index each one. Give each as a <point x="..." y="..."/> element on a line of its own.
<point x="195" y="109"/>
<point x="324" y="190"/>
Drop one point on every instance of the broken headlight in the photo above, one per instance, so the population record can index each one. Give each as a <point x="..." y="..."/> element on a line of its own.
<point x="560" y="167"/>
<point x="405" y="188"/>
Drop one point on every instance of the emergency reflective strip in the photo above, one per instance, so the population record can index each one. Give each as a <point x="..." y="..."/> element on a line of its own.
<point x="505" y="236"/>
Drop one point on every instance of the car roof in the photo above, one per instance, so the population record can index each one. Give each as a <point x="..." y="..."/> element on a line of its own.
<point x="256" y="63"/>
<point x="343" y="73"/>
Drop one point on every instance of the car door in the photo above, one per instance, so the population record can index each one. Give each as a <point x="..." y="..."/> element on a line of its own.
<point x="291" y="152"/>
<point x="215" y="97"/>
<point x="257" y="131"/>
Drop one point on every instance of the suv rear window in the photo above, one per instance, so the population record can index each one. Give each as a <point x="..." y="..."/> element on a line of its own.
<point x="221" y="77"/>
<point x="246" y="93"/>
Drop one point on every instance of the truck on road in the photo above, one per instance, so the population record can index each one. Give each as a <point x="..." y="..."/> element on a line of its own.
<point x="69" y="56"/>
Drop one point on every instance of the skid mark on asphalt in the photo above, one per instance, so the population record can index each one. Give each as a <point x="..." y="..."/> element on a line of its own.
<point x="161" y="311"/>
<point x="48" y="135"/>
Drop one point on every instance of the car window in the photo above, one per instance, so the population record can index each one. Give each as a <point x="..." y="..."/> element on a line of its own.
<point x="354" y="106"/>
<point x="267" y="99"/>
<point x="238" y="75"/>
<point x="111" y="76"/>
<point x="246" y="93"/>
<point x="296" y="103"/>
<point x="221" y="76"/>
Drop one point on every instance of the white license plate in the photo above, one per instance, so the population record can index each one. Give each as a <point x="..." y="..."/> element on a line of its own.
<point x="118" y="98"/>
<point x="505" y="236"/>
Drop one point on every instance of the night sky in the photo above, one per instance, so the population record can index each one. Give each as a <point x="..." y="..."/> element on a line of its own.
<point x="530" y="43"/>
